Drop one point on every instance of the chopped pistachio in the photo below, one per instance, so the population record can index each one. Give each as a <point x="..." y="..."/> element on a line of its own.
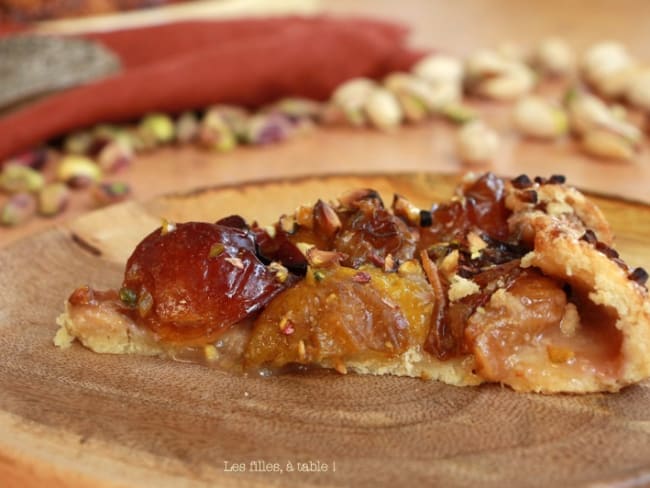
<point x="216" y="250"/>
<point x="319" y="275"/>
<point x="128" y="296"/>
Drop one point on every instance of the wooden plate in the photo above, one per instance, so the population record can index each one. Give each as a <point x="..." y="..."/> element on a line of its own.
<point x="76" y="418"/>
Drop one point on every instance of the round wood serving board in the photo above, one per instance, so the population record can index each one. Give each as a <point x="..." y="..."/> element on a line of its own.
<point x="75" y="418"/>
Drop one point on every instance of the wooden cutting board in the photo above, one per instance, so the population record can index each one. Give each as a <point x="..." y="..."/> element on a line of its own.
<point x="75" y="418"/>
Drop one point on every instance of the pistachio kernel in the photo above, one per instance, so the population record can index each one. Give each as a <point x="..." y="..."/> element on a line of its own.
<point x="53" y="199"/>
<point x="319" y="275"/>
<point x="18" y="209"/>
<point x="16" y="178"/>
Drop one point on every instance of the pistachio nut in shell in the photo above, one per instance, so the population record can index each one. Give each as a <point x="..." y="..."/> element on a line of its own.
<point x="638" y="90"/>
<point x="351" y="98"/>
<point x="605" y="144"/>
<point x="78" y="171"/>
<point x="537" y="117"/>
<point x="555" y="57"/>
<point x="383" y="109"/>
<point x="603" y="59"/>
<point x="477" y="143"/>
<point x="439" y="68"/>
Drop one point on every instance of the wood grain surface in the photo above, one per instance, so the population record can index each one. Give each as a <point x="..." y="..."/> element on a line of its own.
<point x="75" y="418"/>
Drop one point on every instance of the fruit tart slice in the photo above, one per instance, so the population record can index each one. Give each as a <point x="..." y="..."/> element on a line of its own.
<point x="513" y="282"/>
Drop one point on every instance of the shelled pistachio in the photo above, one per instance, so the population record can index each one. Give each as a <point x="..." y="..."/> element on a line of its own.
<point x="16" y="178"/>
<point x="187" y="128"/>
<point x="18" y="209"/>
<point x="53" y="199"/>
<point x="78" y="171"/>
<point x="157" y="127"/>
<point x="536" y="117"/>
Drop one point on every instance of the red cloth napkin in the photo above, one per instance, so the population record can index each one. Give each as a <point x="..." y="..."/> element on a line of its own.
<point x="190" y="65"/>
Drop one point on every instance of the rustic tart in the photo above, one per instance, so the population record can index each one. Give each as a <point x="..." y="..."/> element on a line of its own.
<point x="513" y="282"/>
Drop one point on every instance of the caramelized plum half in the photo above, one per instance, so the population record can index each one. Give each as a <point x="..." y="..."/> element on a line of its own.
<point x="189" y="284"/>
<point x="342" y="314"/>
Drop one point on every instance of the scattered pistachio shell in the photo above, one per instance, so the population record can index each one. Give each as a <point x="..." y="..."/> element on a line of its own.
<point x="439" y="68"/>
<point x="383" y="109"/>
<point x="114" y="156"/>
<point x="458" y="113"/>
<point x="536" y="117"/>
<point x="159" y="127"/>
<point x="555" y="57"/>
<point x="351" y="98"/>
<point x="187" y="128"/>
<point x="638" y="90"/>
<point x="477" y="143"/>
<point x="53" y="199"/>
<point x="267" y="129"/>
<point x="78" y="171"/>
<point x="109" y="193"/>
<point x="18" y="209"/>
<point x="17" y="178"/>
<point x="605" y="144"/>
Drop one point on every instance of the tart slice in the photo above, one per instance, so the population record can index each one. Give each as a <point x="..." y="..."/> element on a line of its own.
<point x="513" y="282"/>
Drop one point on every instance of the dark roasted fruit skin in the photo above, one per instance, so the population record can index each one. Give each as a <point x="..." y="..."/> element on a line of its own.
<point x="195" y="297"/>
